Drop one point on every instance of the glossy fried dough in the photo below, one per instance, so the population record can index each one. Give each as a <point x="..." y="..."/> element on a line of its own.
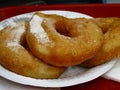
<point x="16" y="58"/>
<point x="104" y="23"/>
<point x="60" y="41"/>
<point x="110" y="48"/>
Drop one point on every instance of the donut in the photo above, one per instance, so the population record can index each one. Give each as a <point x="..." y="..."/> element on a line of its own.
<point x="110" y="48"/>
<point x="61" y="41"/>
<point x="16" y="58"/>
<point x="104" y="23"/>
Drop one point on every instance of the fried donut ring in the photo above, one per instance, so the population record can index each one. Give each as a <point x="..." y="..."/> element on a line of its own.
<point x="16" y="58"/>
<point x="104" y="23"/>
<point x="60" y="41"/>
<point x="110" y="48"/>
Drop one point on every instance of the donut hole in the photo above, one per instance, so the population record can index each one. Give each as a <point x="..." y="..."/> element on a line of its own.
<point x="62" y="29"/>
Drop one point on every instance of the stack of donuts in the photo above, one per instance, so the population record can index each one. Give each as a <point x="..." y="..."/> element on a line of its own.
<point x="48" y="44"/>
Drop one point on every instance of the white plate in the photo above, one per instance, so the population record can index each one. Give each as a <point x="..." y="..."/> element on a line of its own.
<point x="72" y="76"/>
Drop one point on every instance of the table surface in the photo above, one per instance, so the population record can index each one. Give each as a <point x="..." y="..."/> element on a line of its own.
<point x="94" y="10"/>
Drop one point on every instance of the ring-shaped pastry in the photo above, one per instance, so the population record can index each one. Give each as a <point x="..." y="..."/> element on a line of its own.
<point x="110" y="48"/>
<point x="16" y="58"/>
<point x="61" y="41"/>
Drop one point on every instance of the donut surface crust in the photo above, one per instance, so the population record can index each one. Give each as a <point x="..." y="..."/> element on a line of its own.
<point x="110" y="48"/>
<point x="104" y="23"/>
<point x="61" y="41"/>
<point x="18" y="59"/>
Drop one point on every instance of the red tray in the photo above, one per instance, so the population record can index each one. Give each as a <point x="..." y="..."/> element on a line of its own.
<point x="95" y="10"/>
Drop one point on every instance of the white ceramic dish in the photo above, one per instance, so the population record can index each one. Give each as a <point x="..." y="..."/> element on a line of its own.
<point x="72" y="76"/>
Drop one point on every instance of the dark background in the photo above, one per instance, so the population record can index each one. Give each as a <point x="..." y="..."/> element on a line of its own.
<point x="4" y="3"/>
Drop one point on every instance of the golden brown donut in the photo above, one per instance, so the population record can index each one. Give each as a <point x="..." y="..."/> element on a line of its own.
<point x="60" y="41"/>
<point x="16" y="58"/>
<point x="110" y="48"/>
<point x="104" y="23"/>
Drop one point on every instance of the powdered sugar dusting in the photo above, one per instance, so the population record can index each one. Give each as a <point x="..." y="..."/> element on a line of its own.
<point x="37" y="29"/>
<point x="15" y="36"/>
<point x="14" y="46"/>
<point x="19" y="32"/>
